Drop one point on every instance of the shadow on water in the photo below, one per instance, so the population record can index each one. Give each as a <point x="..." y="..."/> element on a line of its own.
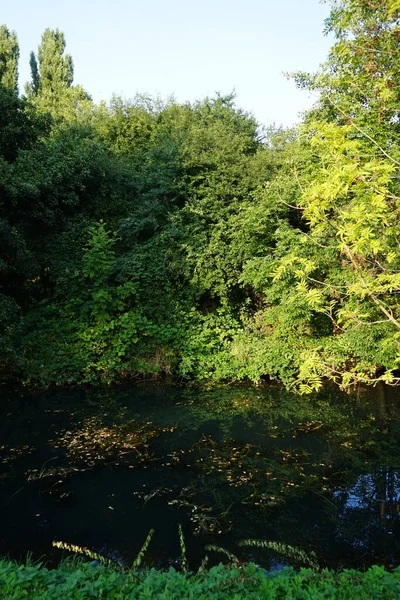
<point x="99" y="469"/>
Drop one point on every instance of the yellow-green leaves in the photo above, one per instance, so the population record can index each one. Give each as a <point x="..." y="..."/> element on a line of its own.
<point x="394" y="6"/>
<point x="345" y="262"/>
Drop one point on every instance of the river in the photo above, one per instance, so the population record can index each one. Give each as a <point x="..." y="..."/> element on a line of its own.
<point x="100" y="468"/>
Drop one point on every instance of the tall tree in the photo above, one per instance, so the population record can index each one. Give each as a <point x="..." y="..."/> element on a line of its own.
<point x="347" y="264"/>
<point x="34" y="87"/>
<point x="9" y="55"/>
<point x="52" y="72"/>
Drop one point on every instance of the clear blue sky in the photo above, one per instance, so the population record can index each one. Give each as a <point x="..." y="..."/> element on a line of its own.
<point x="183" y="48"/>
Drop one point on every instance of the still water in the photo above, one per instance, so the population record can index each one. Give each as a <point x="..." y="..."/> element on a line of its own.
<point x="101" y="468"/>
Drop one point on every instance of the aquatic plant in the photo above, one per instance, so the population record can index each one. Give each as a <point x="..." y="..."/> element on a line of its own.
<point x="291" y="552"/>
<point x="83" y="550"/>
<point x="138" y="560"/>
<point x="182" y="544"/>
<point x="232" y="558"/>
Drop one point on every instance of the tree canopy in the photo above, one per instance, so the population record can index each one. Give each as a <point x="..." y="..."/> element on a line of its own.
<point x="150" y="237"/>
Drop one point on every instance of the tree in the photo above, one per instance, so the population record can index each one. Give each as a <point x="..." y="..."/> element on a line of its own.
<point x="346" y="265"/>
<point x="52" y="72"/>
<point x="9" y="56"/>
<point x="52" y="75"/>
<point x="34" y="87"/>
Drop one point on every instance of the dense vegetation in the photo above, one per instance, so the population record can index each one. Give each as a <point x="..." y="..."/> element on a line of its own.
<point x="149" y="237"/>
<point x="220" y="583"/>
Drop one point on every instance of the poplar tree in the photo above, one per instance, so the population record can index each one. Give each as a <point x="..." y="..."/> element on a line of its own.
<point x="52" y="72"/>
<point x="35" y="84"/>
<point x="9" y="55"/>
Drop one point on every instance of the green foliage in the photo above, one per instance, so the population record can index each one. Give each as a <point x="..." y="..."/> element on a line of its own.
<point x="138" y="560"/>
<point x="344" y="264"/>
<point x="21" y="126"/>
<point x="81" y="550"/>
<point x="99" y="319"/>
<point x="86" y="580"/>
<point x="52" y="74"/>
<point x="9" y="55"/>
<point x="231" y="557"/>
<point x="182" y="544"/>
<point x="297" y="554"/>
<point x="239" y="253"/>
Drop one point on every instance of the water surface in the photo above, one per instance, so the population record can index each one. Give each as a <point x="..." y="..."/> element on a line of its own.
<point x="100" y="468"/>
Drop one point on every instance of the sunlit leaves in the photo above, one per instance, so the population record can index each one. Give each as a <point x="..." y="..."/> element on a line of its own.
<point x="95" y="444"/>
<point x="350" y="201"/>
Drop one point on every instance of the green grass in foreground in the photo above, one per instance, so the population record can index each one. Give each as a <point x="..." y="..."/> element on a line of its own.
<point x="89" y="580"/>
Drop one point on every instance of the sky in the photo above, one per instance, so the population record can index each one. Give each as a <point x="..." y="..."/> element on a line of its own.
<point x="183" y="48"/>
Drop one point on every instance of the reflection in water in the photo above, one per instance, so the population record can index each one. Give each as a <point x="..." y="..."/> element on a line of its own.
<point x="369" y="513"/>
<point x="101" y="469"/>
<point x="370" y="492"/>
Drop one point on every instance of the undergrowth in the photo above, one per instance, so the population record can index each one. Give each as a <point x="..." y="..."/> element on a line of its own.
<point x="93" y="580"/>
<point x="75" y="579"/>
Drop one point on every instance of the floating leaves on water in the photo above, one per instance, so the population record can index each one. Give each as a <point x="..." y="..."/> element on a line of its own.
<point x="147" y="496"/>
<point x="229" y="460"/>
<point x="10" y="453"/>
<point x="265" y="499"/>
<point x="308" y="427"/>
<point x="58" y="495"/>
<point x="266" y="480"/>
<point x="50" y="479"/>
<point x="293" y="455"/>
<point x="95" y="443"/>
<point x="175" y="457"/>
<point x="58" y="473"/>
<point x="203" y="517"/>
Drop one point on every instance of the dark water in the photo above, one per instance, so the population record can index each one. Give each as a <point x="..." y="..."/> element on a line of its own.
<point x="99" y="469"/>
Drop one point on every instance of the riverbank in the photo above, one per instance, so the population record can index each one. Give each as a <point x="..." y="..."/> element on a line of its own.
<point x="76" y="581"/>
